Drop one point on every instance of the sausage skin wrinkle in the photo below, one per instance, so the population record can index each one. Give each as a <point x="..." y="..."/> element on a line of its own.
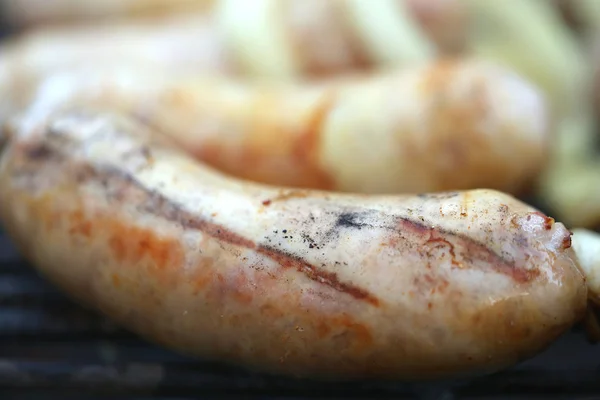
<point x="297" y="282"/>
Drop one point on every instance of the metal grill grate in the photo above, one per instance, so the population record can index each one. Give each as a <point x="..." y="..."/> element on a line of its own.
<point x="52" y="348"/>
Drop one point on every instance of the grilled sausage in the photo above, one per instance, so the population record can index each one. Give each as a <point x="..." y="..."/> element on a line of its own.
<point x="441" y="21"/>
<point x="276" y="39"/>
<point x="307" y="283"/>
<point x="447" y="125"/>
<point x="29" y="13"/>
<point x="175" y="44"/>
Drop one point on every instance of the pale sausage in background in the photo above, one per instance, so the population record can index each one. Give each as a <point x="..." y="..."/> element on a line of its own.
<point x="444" y="125"/>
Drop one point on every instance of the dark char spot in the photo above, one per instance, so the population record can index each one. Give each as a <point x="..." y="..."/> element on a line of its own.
<point x="350" y="220"/>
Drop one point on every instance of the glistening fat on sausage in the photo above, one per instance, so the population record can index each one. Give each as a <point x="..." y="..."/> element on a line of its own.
<point x="307" y="283"/>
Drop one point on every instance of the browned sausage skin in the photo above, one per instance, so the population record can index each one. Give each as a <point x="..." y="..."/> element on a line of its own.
<point x="443" y="125"/>
<point x="311" y="284"/>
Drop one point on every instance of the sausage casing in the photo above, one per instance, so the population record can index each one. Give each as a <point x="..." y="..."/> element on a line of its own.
<point x="444" y="125"/>
<point x="307" y="283"/>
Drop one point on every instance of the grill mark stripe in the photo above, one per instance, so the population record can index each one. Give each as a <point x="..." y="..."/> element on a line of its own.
<point x="472" y="248"/>
<point x="119" y="184"/>
<point x="328" y="278"/>
<point x="458" y="243"/>
<point x="173" y="212"/>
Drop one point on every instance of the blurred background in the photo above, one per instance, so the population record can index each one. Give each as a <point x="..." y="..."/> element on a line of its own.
<point x="51" y="348"/>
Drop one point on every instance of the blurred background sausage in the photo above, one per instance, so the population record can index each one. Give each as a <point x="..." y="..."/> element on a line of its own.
<point x="445" y="125"/>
